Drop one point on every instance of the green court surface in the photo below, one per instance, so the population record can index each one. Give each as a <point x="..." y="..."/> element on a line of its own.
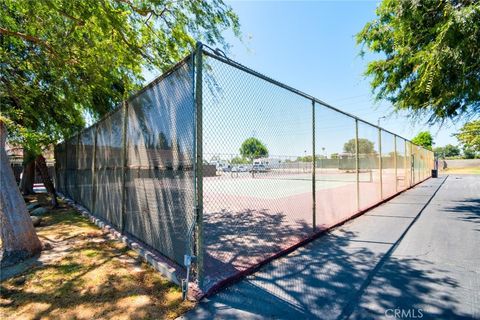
<point x="265" y="188"/>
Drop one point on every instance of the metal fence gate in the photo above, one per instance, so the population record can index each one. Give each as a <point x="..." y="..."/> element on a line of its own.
<point x="216" y="160"/>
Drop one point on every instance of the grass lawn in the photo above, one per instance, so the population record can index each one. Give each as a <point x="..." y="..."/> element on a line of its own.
<point x="84" y="274"/>
<point x="471" y="170"/>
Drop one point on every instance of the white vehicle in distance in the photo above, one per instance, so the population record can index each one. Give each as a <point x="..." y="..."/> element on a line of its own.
<point x="242" y="169"/>
<point x="259" y="168"/>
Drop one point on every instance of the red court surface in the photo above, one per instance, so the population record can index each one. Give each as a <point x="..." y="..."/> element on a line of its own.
<point x="248" y="220"/>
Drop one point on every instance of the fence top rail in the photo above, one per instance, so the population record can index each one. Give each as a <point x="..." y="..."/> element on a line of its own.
<point x="213" y="54"/>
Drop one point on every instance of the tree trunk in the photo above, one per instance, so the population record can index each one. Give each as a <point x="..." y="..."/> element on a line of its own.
<point x="28" y="176"/>
<point x="41" y="166"/>
<point x="18" y="239"/>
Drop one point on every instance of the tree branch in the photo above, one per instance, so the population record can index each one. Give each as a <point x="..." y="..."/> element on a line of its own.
<point x="144" y="12"/>
<point x="28" y="38"/>
<point x="78" y="21"/>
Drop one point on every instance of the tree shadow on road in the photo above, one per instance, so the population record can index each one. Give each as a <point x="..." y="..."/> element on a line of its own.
<point x="469" y="210"/>
<point x="322" y="278"/>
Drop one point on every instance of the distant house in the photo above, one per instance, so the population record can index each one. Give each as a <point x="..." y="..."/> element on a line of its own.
<point x="14" y="151"/>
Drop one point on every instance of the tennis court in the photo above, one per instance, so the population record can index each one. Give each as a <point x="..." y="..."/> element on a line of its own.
<point x="167" y="167"/>
<point x="248" y="218"/>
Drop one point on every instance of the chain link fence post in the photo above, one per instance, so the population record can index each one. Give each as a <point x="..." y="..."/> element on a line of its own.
<point x="94" y="163"/>
<point x="395" y="161"/>
<point x="65" y="170"/>
<point x="124" y="163"/>
<point x="380" y="161"/>
<point x="412" y="178"/>
<point x="357" y="165"/>
<point x="199" y="162"/>
<point x="314" y="165"/>
<point x="76" y="196"/>
<point x="407" y="182"/>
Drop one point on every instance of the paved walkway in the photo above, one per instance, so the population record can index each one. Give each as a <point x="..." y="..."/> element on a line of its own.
<point x="416" y="256"/>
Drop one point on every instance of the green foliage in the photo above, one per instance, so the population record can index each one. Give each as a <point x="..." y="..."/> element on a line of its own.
<point x="430" y="51"/>
<point x="305" y="159"/>
<point x="365" y="146"/>
<point x="439" y="152"/>
<point x="252" y="148"/>
<point x="451" y="151"/>
<point x="469" y="135"/>
<point x="239" y="160"/>
<point x="446" y="152"/>
<point x="469" y="154"/>
<point x="424" y="139"/>
<point x="63" y="59"/>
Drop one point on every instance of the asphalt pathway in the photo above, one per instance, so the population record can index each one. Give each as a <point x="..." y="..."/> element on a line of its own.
<point x="415" y="257"/>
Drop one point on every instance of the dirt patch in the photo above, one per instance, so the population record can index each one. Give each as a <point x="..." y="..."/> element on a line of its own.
<point x="83" y="274"/>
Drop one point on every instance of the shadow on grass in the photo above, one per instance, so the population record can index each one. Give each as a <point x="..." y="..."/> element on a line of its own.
<point x="65" y="287"/>
<point x="91" y="277"/>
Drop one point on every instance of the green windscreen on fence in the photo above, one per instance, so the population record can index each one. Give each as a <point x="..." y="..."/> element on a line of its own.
<point x="134" y="168"/>
<point x="84" y="168"/>
<point x="108" y="169"/>
<point x="159" y="179"/>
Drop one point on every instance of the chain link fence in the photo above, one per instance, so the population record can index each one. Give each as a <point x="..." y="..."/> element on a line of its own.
<point x="134" y="168"/>
<point x="215" y="160"/>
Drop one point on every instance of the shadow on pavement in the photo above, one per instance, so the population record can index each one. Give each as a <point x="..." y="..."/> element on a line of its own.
<point x="320" y="279"/>
<point x="470" y="209"/>
<point x="237" y="240"/>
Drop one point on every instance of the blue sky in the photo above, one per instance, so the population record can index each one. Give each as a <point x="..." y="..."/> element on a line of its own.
<point x="310" y="45"/>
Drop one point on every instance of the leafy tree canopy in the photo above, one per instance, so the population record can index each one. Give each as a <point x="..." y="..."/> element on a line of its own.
<point x="252" y="148"/>
<point x="448" y="151"/>
<point x="439" y="152"/>
<point x="469" y="153"/>
<point x="239" y="160"/>
<point x="424" y="139"/>
<point x="63" y="59"/>
<point x="469" y="135"/>
<point x="430" y="51"/>
<point x="365" y="146"/>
